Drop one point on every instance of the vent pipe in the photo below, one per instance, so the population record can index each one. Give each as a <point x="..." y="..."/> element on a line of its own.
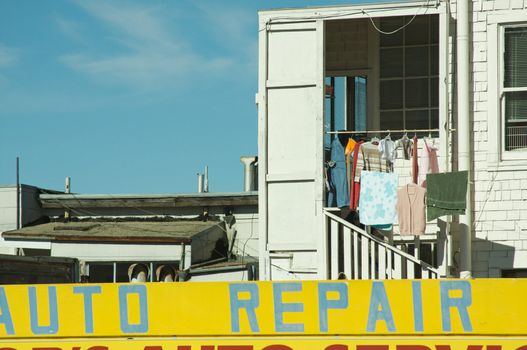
<point x="206" y="181"/>
<point x="250" y="173"/>
<point x="201" y="181"/>
<point x="464" y="134"/>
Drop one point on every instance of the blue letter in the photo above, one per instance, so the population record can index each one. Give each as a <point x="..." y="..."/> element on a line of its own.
<point x="6" y="314"/>
<point x="324" y="304"/>
<point x="248" y="304"/>
<point x="418" y="306"/>
<point x="88" y="292"/>
<point x="53" y="315"/>
<point x="280" y="307"/>
<point x="379" y="298"/>
<point x="461" y="303"/>
<point x="142" y="326"/>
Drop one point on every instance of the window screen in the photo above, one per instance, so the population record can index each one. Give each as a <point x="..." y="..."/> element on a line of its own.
<point x="515" y="87"/>
<point x="409" y="73"/>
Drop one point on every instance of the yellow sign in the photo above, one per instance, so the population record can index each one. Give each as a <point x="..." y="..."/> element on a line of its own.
<point x="404" y="307"/>
<point x="277" y="343"/>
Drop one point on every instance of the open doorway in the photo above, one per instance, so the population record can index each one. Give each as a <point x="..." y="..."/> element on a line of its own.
<point x="346" y="104"/>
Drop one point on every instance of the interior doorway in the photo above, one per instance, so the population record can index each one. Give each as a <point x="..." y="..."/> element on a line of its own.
<point x="346" y="104"/>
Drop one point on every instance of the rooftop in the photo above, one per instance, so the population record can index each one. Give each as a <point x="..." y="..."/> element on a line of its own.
<point x="173" y="231"/>
<point x="148" y="200"/>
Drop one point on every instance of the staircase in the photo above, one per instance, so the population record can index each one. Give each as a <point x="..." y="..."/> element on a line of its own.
<point x="358" y="255"/>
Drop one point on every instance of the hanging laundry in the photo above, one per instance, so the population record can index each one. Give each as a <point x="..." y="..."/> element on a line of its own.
<point x="415" y="166"/>
<point x="350" y="146"/>
<point x="447" y="194"/>
<point x="366" y="156"/>
<point x="411" y="207"/>
<point x="339" y="194"/>
<point x="378" y="197"/>
<point x="405" y="144"/>
<point x="354" y="181"/>
<point x="387" y="149"/>
<point x="370" y="158"/>
<point x="428" y="163"/>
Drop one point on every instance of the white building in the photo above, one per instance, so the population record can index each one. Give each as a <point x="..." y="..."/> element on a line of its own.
<point x="454" y="70"/>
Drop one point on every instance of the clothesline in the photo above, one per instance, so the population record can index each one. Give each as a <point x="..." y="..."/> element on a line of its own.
<point x="382" y="131"/>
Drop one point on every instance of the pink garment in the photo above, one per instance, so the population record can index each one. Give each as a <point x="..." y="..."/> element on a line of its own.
<point x="428" y="163"/>
<point x="411" y="209"/>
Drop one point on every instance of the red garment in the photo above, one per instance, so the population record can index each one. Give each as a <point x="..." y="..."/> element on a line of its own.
<point x="415" y="167"/>
<point x="355" y="186"/>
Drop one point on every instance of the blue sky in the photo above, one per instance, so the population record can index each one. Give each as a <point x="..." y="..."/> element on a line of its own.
<point x="129" y="96"/>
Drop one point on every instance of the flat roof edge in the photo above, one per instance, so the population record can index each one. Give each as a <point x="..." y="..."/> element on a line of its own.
<point x="149" y="196"/>
<point x="324" y="11"/>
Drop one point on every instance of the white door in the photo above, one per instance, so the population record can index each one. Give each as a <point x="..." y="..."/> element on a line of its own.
<point x="291" y="105"/>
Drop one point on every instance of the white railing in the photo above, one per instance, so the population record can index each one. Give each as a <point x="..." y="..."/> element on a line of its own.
<point x="355" y="254"/>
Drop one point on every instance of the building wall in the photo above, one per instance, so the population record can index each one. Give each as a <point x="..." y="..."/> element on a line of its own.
<point x="30" y="211"/>
<point x="7" y="208"/>
<point x="499" y="193"/>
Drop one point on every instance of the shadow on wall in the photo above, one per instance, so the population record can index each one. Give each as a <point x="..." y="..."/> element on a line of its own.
<point x="489" y="259"/>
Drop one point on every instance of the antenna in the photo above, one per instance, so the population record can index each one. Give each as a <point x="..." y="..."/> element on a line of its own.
<point x="17" y="193"/>
<point x="67" y="189"/>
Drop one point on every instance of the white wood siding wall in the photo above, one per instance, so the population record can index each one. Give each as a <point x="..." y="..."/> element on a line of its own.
<point x="500" y="192"/>
<point x="290" y="107"/>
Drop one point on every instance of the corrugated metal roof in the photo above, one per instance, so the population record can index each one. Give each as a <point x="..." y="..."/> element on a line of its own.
<point x="116" y="231"/>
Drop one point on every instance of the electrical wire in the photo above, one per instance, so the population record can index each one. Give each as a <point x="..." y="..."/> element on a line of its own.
<point x="403" y="26"/>
<point x="245" y="243"/>
<point x="283" y="19"/>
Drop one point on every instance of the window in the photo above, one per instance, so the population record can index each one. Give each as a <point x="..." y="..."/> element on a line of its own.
<point x="409" y="73"/>
<point x="514" y="87"/>
<point x="345" y="104"/>
<point x="507" y="90"/>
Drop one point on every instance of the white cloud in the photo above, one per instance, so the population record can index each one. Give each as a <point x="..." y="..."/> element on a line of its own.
<point x="151" y="53"/>
<point x="8" y="56"/>
<point x="70" y="28"/>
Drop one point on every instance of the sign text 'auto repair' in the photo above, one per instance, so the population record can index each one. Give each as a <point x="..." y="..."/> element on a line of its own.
<point x="265" y="309"/>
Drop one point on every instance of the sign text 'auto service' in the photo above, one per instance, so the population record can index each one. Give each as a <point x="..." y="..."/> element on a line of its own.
<point x="277" y="343"/>
<point x="259" y="309"/>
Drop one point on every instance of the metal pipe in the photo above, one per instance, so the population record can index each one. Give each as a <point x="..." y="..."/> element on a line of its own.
<point x="67" y="185"/>
<point x="383" y="131"/>
<point x="200" y="182"/>
<point x="249" y="178"/>
<point x="206" y="181"/>
<point x="464" y="135"/>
